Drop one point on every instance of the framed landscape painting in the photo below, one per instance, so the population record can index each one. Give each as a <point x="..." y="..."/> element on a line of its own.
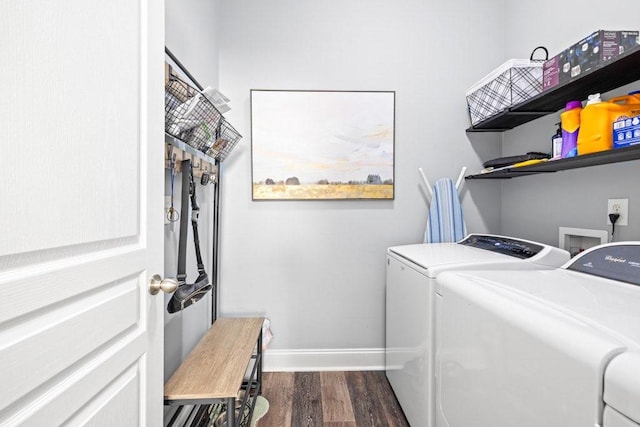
<point x="322" y="145"/>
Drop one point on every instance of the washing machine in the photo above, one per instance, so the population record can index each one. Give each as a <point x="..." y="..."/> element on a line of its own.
<point x="555" y="348"/>
<point x="411" y="274"/>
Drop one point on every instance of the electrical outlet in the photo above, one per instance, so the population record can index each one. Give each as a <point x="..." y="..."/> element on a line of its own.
<point x="621" y="207"/>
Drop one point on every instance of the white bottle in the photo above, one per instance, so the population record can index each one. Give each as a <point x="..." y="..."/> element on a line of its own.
<point x="556" y="144"/>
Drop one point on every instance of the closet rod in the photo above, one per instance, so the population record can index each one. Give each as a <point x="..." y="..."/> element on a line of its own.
<point x="182" y="67"/>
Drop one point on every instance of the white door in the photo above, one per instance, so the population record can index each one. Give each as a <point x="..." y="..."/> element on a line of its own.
<point x="81" y="212"/>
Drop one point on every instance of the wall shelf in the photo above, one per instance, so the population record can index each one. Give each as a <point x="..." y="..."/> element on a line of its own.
<point x="616" y="73"/>
<point x="191" y="116"/>
<point x="601" y="158"/>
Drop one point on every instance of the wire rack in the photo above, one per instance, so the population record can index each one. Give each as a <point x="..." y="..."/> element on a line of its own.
<point x="192" y="118"/>
<point x="226" y="139"/>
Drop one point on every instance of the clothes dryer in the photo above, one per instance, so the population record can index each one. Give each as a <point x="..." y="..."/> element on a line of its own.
<point x="555" y="348"/>
<point x="410" y="279"/>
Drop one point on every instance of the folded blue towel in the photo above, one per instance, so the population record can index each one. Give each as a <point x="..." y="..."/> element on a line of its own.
<point x="445" y="222"/>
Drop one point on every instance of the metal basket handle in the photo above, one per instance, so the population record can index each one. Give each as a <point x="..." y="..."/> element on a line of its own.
<point x="546" y="54"/>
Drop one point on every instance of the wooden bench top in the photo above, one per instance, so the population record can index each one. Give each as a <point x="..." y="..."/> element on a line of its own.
<point x="215" y="368"/>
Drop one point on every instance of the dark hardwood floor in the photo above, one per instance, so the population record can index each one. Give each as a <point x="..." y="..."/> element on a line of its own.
<point x="335" y="399"/>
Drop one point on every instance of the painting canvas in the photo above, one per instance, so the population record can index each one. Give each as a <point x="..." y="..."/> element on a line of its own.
<point x="322" y="145"/>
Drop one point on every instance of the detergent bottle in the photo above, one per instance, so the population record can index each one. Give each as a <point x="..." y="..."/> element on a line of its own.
<point x="596" y="130"/>
<point x="570" y="122"/>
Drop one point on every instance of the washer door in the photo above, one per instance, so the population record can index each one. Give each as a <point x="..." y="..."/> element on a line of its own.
<point x="507" y="359"/>
<point x="409" y="348"/>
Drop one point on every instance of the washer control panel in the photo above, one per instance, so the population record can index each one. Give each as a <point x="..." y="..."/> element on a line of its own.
<point x="504" y="245"/>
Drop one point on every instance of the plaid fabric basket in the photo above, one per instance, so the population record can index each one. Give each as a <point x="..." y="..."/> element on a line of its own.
<point x="513" y="82"/>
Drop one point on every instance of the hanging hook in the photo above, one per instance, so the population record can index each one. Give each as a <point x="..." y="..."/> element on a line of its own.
<point x="169" y="153"/>
<point x="172" y="214"/>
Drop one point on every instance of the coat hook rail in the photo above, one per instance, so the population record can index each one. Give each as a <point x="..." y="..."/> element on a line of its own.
<point x="174" y="156"/>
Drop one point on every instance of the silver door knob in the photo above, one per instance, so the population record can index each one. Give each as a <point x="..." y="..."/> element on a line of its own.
<point x="157" y="284"/>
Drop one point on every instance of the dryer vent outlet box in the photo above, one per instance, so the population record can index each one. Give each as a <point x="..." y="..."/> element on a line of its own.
<point x="576" y="240"/>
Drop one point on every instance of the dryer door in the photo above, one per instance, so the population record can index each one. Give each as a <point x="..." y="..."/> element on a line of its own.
<point x="622" y="389"/>
<point x="506" y="359"/>
<point x="613" y="418"/>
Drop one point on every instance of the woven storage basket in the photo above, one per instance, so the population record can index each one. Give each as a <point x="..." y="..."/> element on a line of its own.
<point x="513" y="82"/>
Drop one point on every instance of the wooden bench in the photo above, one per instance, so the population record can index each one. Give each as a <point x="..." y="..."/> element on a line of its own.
<point x="214" y="371"/>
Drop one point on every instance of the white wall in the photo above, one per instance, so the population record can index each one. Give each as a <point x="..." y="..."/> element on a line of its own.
<point x="191" y="35"/>
<point x="317" y="268"/>
<point x="535" y="206"/>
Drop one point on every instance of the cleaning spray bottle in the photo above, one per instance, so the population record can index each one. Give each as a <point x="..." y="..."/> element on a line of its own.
<point x="570" y="121"/>
<point x="556" y="143"/>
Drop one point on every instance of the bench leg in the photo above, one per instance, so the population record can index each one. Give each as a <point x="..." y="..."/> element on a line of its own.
<point x="231" y="412"/>
<point x="259" y="361"/>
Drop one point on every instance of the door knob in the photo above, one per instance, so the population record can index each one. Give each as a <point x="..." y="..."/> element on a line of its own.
<point x="157" y="284"/>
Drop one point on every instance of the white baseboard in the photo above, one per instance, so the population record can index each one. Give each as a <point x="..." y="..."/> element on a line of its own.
<point x="353" y="359"/>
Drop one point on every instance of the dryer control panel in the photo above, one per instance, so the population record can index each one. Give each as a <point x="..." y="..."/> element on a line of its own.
<point x="504" y="245"/>
<point x="617" y="261"/>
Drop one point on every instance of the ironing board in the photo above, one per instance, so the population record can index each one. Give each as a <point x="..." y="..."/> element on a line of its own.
<point x="445" y="222"/>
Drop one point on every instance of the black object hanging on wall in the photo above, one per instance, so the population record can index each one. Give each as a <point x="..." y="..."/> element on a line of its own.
<point x="188" y="293"/>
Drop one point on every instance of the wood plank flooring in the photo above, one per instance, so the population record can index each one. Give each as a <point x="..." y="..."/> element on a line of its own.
<point x="333" y="399"/>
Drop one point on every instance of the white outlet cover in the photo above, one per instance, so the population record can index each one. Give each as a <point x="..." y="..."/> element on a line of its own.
<point x="623" y="210"/>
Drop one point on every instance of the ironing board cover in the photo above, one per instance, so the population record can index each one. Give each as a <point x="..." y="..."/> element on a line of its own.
<point x="445" y="222"/>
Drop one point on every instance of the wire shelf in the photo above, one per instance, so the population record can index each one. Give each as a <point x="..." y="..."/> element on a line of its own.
<point x="225" y="140"/>
<point x="192" y="118"/>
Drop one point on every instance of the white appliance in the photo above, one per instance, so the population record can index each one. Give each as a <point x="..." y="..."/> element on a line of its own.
<point x="411" y="275"/>
<point x="556" y="348"/>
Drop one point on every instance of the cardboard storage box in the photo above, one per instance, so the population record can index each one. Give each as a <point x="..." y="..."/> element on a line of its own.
<point x="626" y="132"/>
<point x="588" y="54"/>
